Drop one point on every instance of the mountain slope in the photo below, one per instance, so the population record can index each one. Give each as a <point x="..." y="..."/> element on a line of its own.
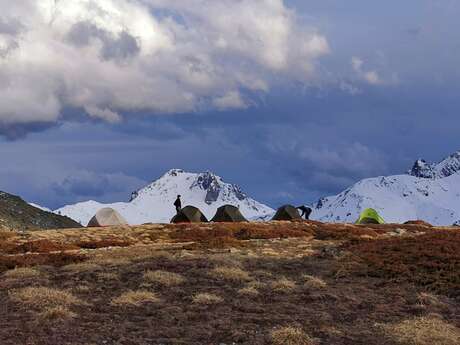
<point x="154" y="203"/>
<point x="16" y="214"/>
<point x="430" y="192"/>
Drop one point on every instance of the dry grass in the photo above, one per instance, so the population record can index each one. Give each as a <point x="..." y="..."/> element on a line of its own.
<point x="233" y="274"/>
<point x="110" y="261"/>
<point x="135" y="298"/>
<point x="248" y="291"/>
<point x="423" y="331"/>
<point x="252" y="289"/>
<point x="245" y="291"/>
<point x="227" y="260"/>
<point x="53" y="314"/>
<point x="313" y="283"/>
<point x="207" y="299"/>
<point x="164" y="278"/>
<point x="283" y="285"/>
<point x="5" y="235"/>
<point x="290" y="336"/>
<point x="81" y="267"/>
<point x="44" y="297"/>
<point x="22" y="273"/>
<point x="149" y="254"/>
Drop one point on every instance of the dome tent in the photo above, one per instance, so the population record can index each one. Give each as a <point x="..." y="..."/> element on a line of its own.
<point x="370" y="216"/>
<point x="106" y="217"/>
<point x="287" y="212"/>
<point x="189" y="214"/>
<point x="228" y="213"/>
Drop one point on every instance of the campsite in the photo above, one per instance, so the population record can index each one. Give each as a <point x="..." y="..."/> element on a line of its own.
<point x="229" y="172"/>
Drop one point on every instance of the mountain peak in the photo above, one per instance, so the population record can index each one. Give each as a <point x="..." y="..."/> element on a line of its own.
<point x="422" y="169"/>
<point x="430" y="193"/>
<point x="174" y="172"/>
<point x="445" y="168"/>
<point x="154" y="202"/>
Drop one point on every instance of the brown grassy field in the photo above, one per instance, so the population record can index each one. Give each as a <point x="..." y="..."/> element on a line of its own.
<point x="296" y="283"/>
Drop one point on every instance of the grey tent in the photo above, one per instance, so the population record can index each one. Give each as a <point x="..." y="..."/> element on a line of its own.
<point x="107" y="217"/>
<point x="287" y="212"/>
<point x="228" y="213"/>
<point x="189" y="214"/>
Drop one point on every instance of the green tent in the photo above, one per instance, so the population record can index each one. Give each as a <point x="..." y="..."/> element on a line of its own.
<point x="189" y="214"/>
<point x="370" y="216"/>
<point x="287" y="212"/>
<point x="228" y="213"/>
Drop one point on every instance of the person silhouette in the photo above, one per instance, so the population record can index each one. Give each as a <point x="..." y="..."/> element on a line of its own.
<point x="178" y="204"/>
<point x="306" y="211"/>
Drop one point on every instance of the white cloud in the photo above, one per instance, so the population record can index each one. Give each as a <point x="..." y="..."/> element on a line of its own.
<point x="231" y="100"/>
<point x="104" y="114"/>
<point x="162" y="56"/>
<point x="371" y="76"/>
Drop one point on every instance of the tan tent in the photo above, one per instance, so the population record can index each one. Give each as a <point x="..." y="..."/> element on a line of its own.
<point x="107" y="217"/>
<point x="228" y="213"/>
<point x="189" y="214"/>
<point x="287" y="212"/>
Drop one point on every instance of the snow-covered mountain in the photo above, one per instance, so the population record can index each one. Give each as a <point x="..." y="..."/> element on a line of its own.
<point x="154" y="203"/>
<point x="429" y="192"/>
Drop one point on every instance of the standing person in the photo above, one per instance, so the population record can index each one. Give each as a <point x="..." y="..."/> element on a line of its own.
<point x="306" y="211"/>
<point x="178" y="204"/>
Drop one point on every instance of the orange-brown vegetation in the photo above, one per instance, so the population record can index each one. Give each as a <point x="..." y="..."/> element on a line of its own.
<point x="248" y="283"/>
<point x="8" y="262"/>
<point x="430" y="261"/>
<point x="103" y="243"/>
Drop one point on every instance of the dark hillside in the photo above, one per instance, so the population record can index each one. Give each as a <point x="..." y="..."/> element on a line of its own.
<point x="16" y="214"/>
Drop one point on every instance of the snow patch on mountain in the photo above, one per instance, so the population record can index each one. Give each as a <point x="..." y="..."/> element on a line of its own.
<point x="430" y="192"/>
<point x="154" y="203"/>
<point x="43" y="208"/>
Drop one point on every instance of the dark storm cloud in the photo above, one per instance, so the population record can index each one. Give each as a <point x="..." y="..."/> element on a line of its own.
<point x="20" y="131"/>
<point x="386" y="95"/>
<point x="87" y="184"/>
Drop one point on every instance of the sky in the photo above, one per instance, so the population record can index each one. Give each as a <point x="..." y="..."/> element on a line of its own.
<point x="292" y="100"/>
